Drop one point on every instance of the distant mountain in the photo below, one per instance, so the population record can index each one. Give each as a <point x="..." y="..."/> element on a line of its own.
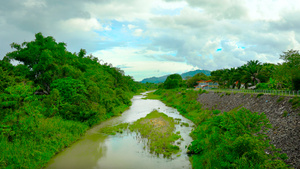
<point x="161" y="79"/>
<point x="155" y="79"/>
<point x="193" y="73"/>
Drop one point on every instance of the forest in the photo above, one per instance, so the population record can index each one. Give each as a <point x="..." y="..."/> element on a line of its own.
<point x="52" y="97"/>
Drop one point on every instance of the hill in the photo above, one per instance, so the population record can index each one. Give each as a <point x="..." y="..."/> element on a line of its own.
<point x="161" y="79"/>
<point x="193" y="73"/>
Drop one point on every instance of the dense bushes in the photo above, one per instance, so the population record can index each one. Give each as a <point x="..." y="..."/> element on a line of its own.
<point x="233" y="139"/>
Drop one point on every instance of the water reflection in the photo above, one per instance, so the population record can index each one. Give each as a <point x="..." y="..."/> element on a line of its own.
<point x="127" y="150"/>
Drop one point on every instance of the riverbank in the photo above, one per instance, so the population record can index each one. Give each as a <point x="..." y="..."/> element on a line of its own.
<point x="281" y="112"/>
<point x="225" y="139"/>
<point x="40" y="139"/>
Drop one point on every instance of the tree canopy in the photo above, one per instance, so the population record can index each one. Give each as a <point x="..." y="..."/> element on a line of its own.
<point x="173" y="81"/>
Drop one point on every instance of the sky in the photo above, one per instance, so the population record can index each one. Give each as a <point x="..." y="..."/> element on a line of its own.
<point x="147" y="38"/>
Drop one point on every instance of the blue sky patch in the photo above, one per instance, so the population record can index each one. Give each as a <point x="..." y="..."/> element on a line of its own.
<point x="121" y="35"/>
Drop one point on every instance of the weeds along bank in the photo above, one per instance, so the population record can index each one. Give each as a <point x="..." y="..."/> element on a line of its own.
<point x="232" y="139"/>
<point x="52" y="98"/>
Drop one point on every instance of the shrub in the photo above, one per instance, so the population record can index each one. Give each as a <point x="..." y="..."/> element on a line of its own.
<point x="285" y="113"/>
<point x="295" y="102"/>
<point x="258" y="95"/>
<point x="216" y="111"/>
<point x="280" y="99"/>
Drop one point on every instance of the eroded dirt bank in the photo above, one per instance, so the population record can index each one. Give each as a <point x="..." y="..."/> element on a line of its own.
<point x="284" y="119"/>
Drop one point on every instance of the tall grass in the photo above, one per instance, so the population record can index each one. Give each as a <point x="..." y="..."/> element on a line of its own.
<point x="33" y="151"/>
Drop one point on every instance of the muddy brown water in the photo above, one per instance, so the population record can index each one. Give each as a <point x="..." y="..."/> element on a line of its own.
<point x="127" y="150"/>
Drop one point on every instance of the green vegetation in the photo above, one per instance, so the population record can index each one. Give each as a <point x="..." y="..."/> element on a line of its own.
<point x="49" y="100"/>
<point x="112" y="130"/>
<point x="265" y="76"/>
<point x="259" y="94"/>
<point x="158" y="128"/>
<point x="191" y="82"/>
<point x="216" y="111"/>
<point x="152" y="96"/>
<point x="184" y="124"/>
<point x="173" y="81"/>
<point x="280" y="99"/>
<point x="232" y="139"/>
<point x="295" y="102"/>
<point x="285" y="113"/>
<point x="36" y="140"/>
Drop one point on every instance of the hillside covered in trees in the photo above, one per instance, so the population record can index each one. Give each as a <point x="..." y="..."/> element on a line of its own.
<point x="52" y="98"/>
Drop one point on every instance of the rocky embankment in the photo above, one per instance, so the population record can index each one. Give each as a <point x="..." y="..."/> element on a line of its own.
<point x="285" y="120"/>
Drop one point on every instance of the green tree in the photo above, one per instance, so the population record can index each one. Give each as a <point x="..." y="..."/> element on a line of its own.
<point x="251" y="72"/>
<point x="292" y="67"/>
<point x="217" y="76"/>
<point x="192" y="81"/>
<point x="41" y="56"/>
<point x="173" y="81"/>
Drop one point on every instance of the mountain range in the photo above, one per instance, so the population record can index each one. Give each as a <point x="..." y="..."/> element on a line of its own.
<point x="161" y="79"/>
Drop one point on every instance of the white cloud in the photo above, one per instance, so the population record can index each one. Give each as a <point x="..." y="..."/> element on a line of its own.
<point x="138" y="63"/>
<point x="80" y="24"/>
<point x="34" y="3"/>
<point x="184" y="32"/>
<point x="138" y="32"/>
<point x="130" y="26"/>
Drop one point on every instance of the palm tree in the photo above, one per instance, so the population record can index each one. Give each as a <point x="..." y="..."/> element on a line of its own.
<point x="251" y="72"/>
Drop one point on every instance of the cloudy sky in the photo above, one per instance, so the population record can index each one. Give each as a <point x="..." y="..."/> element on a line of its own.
<point x="149" y="38"/>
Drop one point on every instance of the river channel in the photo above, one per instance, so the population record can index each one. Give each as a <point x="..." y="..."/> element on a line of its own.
<point x="124" y="151"/>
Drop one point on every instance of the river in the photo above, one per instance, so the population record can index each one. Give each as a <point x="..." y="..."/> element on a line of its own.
<point x="127" y="150"/>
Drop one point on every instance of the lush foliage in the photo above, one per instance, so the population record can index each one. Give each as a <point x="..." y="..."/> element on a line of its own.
<point x="50" y="99"/>
<point x="264" y="76"/>
<point x="173" y="81"/>
<point x="191" y="82"/>
<point x="233" y="139"/>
